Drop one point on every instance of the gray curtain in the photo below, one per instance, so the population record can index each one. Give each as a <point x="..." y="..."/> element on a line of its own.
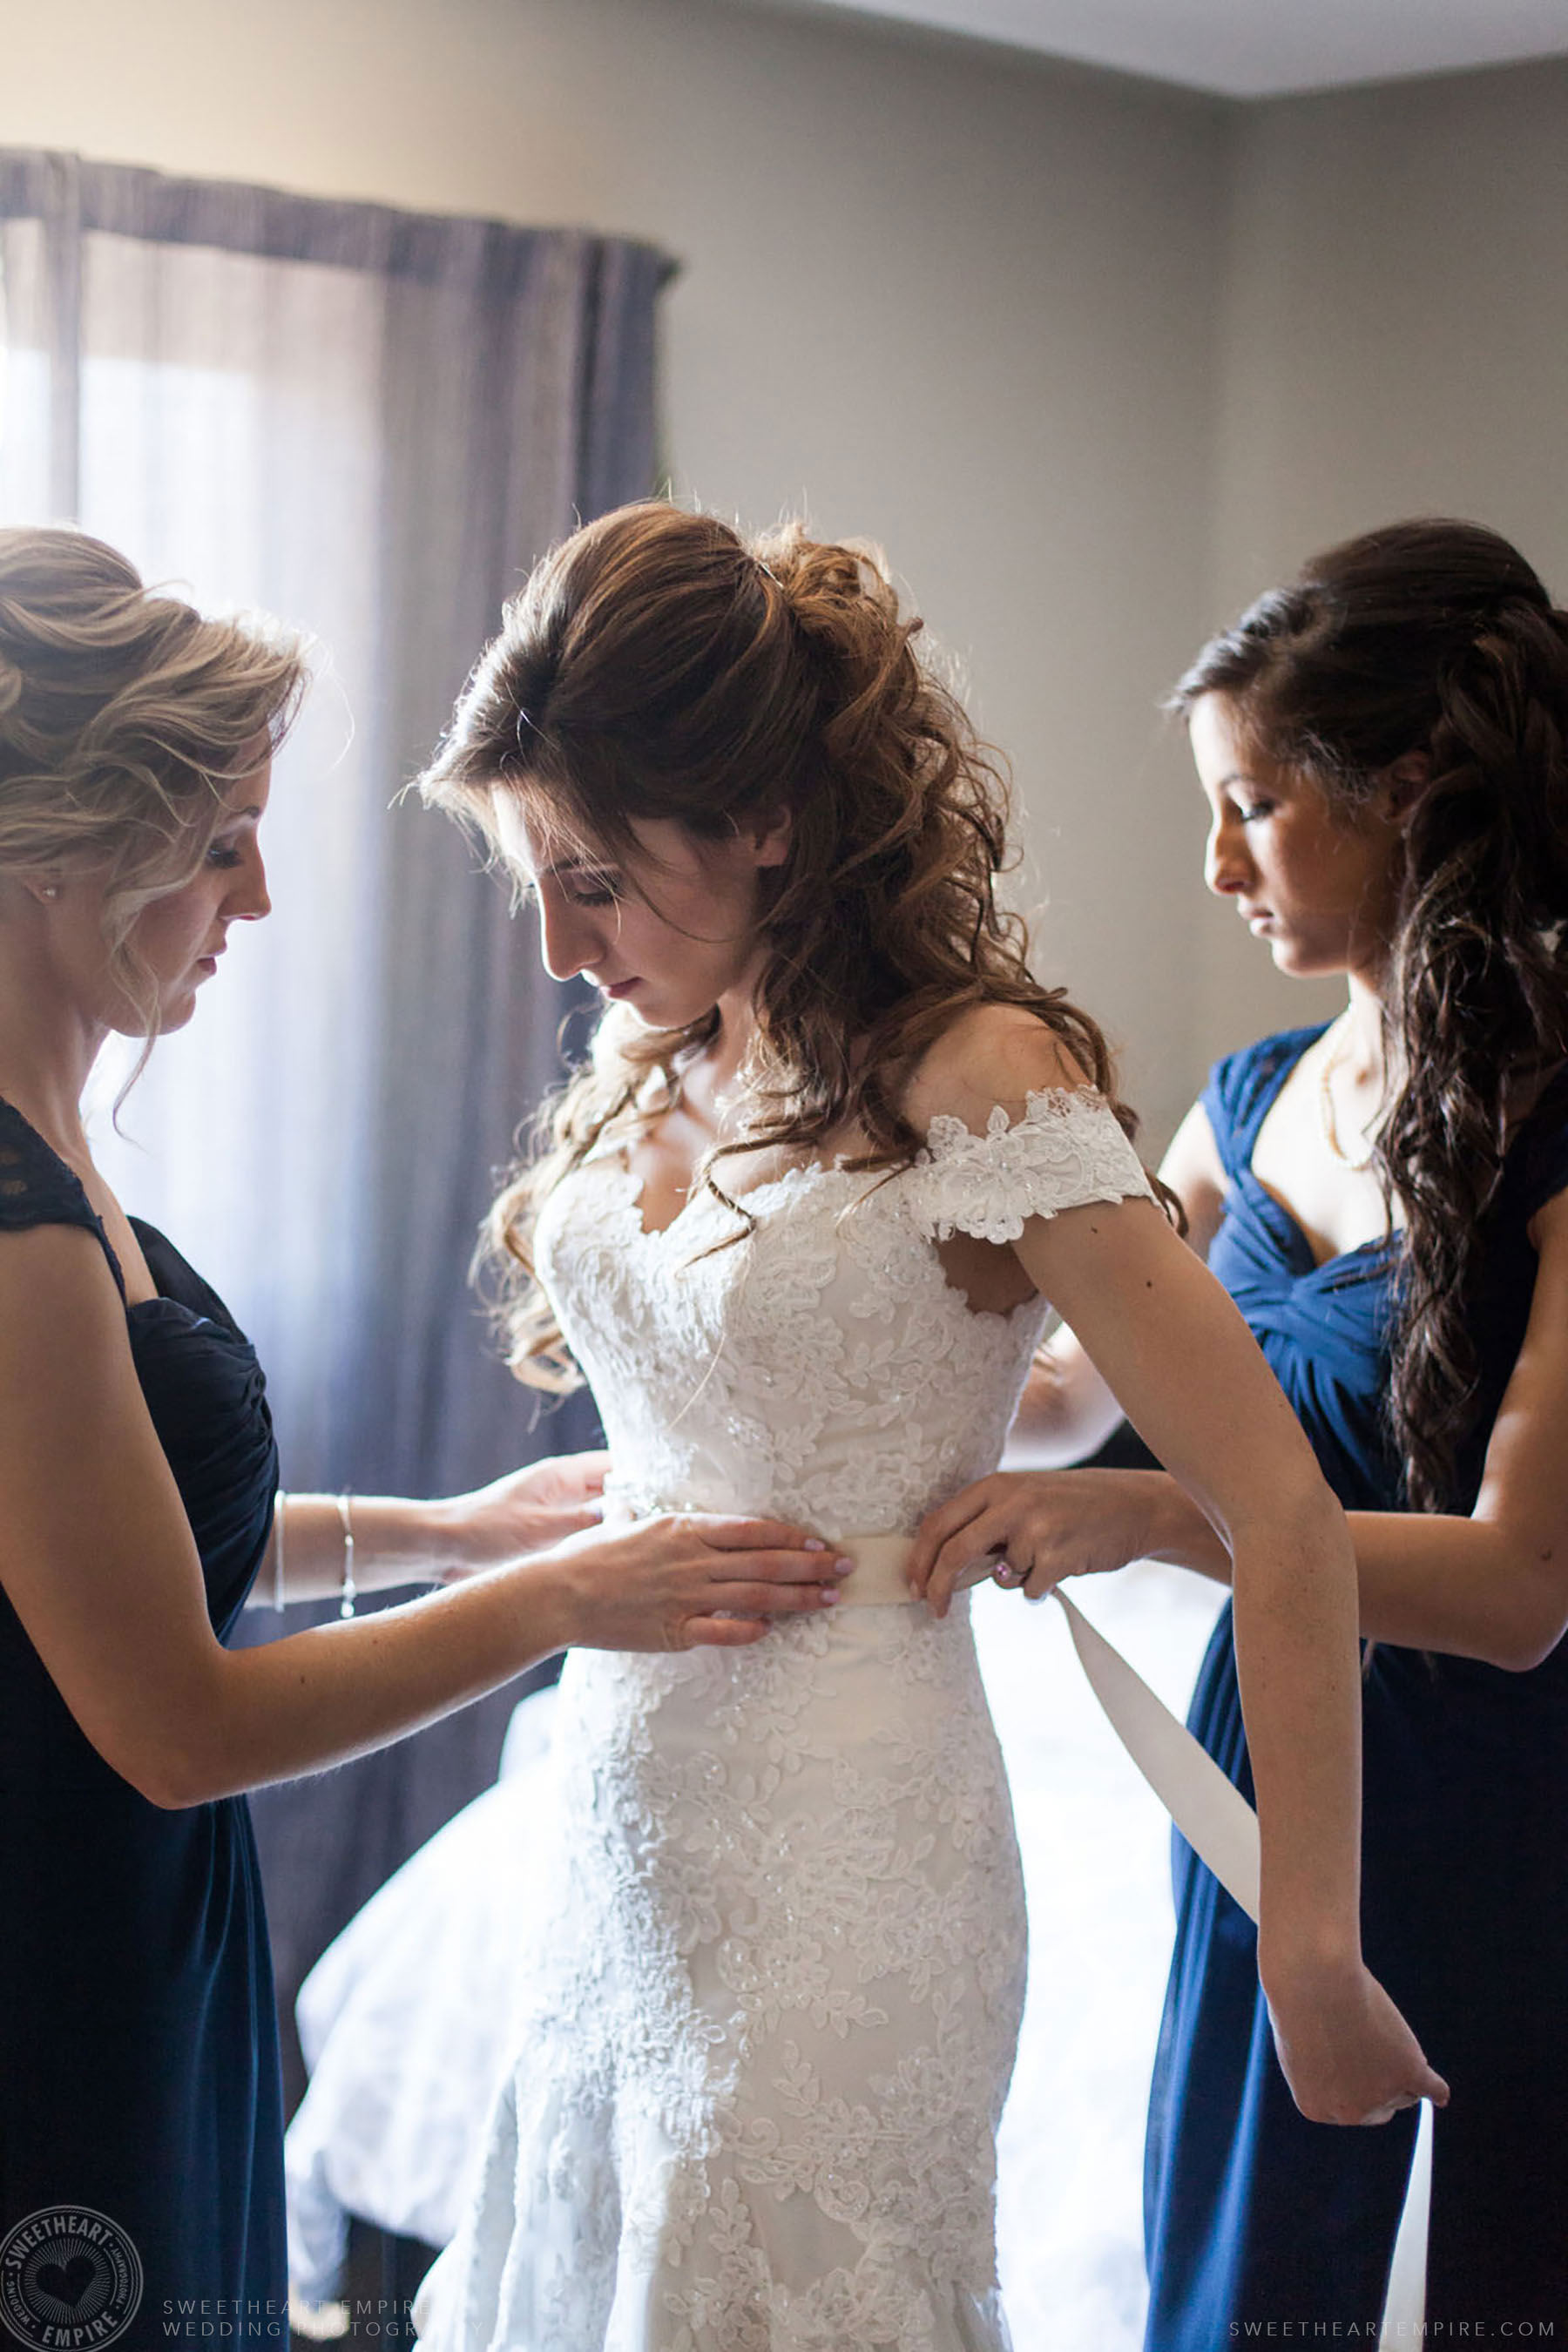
<point x="372" y="422"/>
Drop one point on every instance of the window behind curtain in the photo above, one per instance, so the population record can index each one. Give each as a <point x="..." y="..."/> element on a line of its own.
<point x="370" y="422"/>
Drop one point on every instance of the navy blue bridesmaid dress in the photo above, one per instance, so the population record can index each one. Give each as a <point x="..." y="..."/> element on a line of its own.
<point x="1254" y="2216"/>
<point x="139" y="2071"/>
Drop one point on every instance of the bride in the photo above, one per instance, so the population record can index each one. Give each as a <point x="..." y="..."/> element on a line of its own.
<point x="797" y="1222"/>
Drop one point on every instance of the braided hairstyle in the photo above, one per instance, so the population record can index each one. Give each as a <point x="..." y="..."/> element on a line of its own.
<point x="657" y="665"/>
<point x="1433" y="637"/>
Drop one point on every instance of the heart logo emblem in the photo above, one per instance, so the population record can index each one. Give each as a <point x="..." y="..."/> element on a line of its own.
<point x="67" y="2272"/>
<point x="68" y="2283"/>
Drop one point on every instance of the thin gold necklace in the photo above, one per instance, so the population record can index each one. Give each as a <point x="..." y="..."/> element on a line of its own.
<point x="1326" y="1114"/>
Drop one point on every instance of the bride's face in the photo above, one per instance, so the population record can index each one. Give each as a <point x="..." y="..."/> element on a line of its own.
<point x="670" y="933"/>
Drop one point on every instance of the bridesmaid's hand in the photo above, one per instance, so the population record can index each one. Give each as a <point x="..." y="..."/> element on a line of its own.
<point x="1347" y="2053"/>
<point x="680" y="1580"/>
<point x="524" y="1512"/>
<point x="1032" y="1527"/>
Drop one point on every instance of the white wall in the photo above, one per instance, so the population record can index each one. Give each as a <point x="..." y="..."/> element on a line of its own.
<point x="960" y="302"/>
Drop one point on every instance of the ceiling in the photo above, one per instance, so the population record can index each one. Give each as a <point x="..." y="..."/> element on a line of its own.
<point x="1253" y="48"/>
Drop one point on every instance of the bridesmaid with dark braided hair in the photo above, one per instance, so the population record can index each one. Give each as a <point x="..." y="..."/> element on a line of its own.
<point x="1383" y="747"/>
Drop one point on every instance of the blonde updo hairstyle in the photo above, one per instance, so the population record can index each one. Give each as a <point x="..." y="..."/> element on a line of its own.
<point x="657" y="665"/>
<point x="124" y="716"/>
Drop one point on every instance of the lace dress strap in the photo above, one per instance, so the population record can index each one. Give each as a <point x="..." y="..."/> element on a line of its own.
<point x="1067" y="1149"/>
<point x="36" y="1188"/>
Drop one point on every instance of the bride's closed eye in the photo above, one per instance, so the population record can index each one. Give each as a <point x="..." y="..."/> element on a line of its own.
<point x="585" y="891"/>
<point x="593" y="890"/>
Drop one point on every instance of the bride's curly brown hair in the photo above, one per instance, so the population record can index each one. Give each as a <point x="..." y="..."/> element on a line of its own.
<point x="1433" y="637"/>
<point x="658" y="666"/>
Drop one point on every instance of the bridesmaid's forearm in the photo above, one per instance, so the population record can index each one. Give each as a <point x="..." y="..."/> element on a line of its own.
<point x="397" y="1541"/>
<point x="334" y="1691"/>
<point x="1464" y="1588"/>
<point x="1178" y="1532"/>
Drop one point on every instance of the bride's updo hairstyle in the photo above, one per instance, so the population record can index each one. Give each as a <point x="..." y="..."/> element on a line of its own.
<point x="1433" y="637"/>
<point x="658" y="666"/>
<point x="124" y="714"/>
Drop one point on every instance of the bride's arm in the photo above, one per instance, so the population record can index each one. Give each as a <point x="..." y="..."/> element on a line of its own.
<point x="1174" y="1349"/>
<point x="1068" y="1410"/>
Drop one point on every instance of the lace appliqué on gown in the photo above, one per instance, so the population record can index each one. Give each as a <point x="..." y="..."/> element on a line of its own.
<point x="763" y="2038"/>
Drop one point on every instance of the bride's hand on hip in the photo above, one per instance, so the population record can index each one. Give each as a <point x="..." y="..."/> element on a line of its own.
<point x="679" y="1579"/>
<point x="1347" y="2053"/>
<point x="524" y="1512"/>
<point x="1032" y="1527"/>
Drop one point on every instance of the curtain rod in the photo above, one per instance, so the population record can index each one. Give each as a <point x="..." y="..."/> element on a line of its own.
<point x="128" y="200"/>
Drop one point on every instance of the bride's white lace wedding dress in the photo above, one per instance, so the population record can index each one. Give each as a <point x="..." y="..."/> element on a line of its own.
<point x="766" y="2022"/>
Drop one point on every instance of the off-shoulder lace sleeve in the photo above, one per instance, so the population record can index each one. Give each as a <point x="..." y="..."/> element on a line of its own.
<point x="1066" y="1150"/>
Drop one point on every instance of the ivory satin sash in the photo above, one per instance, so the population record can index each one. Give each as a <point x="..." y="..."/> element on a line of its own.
<point x="1218" y="1824"/>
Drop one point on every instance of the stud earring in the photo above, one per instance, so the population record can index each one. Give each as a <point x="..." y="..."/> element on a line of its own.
<point x="49" y="890"/>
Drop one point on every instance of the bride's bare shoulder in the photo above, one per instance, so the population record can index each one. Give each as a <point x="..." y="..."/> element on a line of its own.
<point x="988" y="1054"/>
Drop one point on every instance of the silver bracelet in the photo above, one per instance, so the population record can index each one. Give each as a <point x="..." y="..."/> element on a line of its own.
<point x="349" y="1591"/>
<point x="278" y="1576"/>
